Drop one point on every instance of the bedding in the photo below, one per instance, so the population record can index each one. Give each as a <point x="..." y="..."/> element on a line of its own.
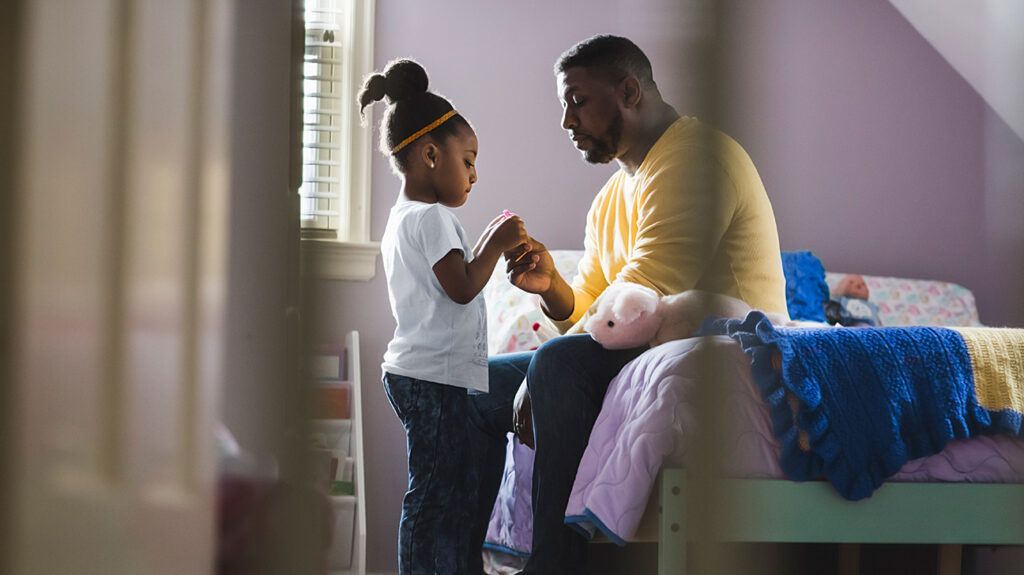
<point x="618" y="470"/>
<point x="869" y="400"/>
<point x="610" y="492"/>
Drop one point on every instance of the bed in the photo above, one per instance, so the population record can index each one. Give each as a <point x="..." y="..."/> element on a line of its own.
<point x="967" y="494"/>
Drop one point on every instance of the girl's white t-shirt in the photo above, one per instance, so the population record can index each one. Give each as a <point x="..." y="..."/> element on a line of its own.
<point x="436" y="339"/>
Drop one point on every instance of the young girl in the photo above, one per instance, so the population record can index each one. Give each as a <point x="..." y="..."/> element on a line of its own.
<point x="439" y="350"/>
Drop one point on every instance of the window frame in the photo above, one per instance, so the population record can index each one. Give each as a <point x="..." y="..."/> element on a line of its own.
<point x="348" y="254"/>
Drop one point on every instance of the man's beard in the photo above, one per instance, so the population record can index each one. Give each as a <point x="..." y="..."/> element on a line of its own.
<point x="606" y="147"/>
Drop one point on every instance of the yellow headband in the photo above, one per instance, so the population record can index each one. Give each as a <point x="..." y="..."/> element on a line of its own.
<point x="422" y="131"/>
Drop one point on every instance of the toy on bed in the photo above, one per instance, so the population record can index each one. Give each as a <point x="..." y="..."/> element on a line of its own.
<point x="630" y="315"/>
<point x="849" y="305"/>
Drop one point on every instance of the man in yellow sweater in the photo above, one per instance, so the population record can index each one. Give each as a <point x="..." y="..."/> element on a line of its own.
<point x="685" y="210"/>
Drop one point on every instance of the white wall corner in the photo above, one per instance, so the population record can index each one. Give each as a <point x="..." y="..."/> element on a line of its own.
<point x="983" y="42"/>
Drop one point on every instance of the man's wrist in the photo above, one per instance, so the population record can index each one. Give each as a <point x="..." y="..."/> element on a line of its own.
<point x="559" y="299"/>
<point x="551" y="294"/>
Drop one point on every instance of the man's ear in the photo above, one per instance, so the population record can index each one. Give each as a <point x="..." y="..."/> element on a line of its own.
<point x="631" y="92"/>
<point x="429" y="154"/>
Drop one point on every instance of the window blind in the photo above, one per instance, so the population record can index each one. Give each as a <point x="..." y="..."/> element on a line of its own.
<point x="321" y="205"/>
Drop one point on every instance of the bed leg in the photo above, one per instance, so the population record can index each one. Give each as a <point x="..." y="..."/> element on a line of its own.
<point x="950" y="559"/>
<point x="849" y="559"/>
<point x="672" y="529"/>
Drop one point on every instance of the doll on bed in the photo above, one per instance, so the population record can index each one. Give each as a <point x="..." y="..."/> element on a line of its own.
<point x="849" y="305"/>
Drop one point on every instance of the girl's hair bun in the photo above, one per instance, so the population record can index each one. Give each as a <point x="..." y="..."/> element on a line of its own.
<point x="373" y="91"/>
<point x="401" y="80"/>
<point x="406" y="79"/>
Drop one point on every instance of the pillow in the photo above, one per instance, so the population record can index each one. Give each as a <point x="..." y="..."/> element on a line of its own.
<point x="904" y="301"/>
<point x="806" y="290"/>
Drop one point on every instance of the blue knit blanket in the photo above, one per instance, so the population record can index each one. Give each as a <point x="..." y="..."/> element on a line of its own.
<point x="869" y="399"/>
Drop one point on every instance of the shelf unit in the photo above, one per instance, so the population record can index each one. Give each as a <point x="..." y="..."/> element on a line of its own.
<point x="353" y="375"/>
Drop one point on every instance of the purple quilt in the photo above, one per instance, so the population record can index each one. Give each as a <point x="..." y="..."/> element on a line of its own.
<point x="511" y="526"/>
<point x="645" y="415"/>
<point x="645" y="430"/>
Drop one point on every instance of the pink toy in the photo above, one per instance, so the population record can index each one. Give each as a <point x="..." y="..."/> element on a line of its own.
<point x="506" y="214"/>
<point x="629" y="315"/>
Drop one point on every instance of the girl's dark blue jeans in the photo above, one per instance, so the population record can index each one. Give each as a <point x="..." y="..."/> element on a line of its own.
<point x="439" y="507"/>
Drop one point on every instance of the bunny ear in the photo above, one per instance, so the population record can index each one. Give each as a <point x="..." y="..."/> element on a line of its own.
<point x="610" y="295"/>
<point x="632" y="301"/>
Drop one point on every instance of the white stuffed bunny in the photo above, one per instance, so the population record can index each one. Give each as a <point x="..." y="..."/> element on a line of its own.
<point x="630" y="315"/>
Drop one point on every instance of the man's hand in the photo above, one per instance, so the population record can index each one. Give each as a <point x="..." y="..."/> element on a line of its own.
<point x="530" y="268"/>
<point x="522" y="416"/>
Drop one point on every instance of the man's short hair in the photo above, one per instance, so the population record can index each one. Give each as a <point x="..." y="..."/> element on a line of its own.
<point x="614" y="56"/>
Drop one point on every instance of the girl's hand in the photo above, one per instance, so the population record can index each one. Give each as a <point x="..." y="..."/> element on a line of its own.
<point x="486" y="235"/>
<point x="494" y="223"/>
<point x="462" y="278"/>
<point x="509" y="234"/>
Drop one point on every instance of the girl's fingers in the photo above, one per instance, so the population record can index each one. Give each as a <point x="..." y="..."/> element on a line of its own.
<point x="495" y="222"/>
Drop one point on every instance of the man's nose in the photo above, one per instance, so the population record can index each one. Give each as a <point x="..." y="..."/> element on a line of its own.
<point x="472" y="177"/>
<point x="569" y="119"/>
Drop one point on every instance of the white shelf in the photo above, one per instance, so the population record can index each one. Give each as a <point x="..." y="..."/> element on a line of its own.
<point x="354" y="375"/>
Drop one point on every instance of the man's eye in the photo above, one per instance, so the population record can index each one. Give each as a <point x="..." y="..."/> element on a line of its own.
<point x="469" y="164"/>
<point x="577" y="101"/>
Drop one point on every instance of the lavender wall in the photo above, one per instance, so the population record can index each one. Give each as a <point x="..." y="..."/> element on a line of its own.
<point x="874" y="151"/>
<point x="877" y="155"/>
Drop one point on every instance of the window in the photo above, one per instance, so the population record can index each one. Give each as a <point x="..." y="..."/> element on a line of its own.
<point x="320" y="204"/>
<point x="334" y="197"/>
